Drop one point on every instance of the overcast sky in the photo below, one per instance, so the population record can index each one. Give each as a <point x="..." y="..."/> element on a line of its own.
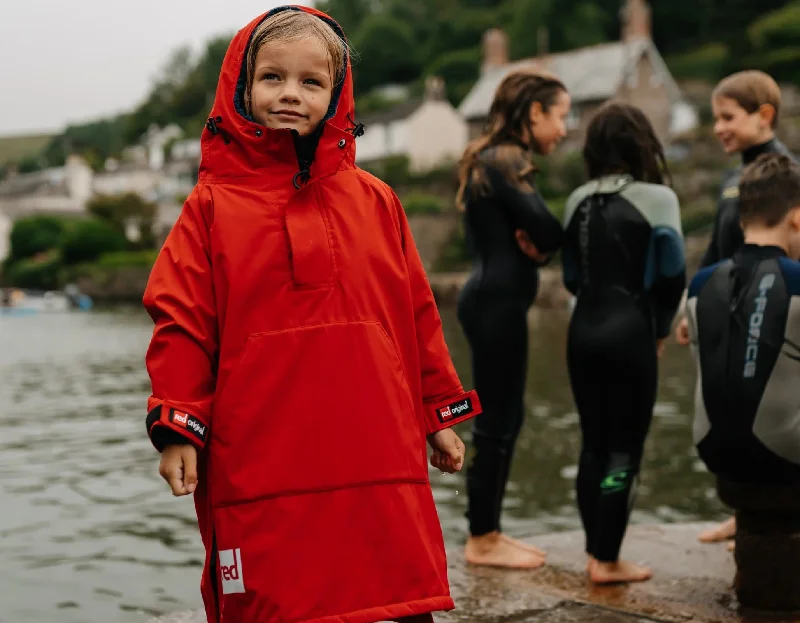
<point x="65" y="61"/>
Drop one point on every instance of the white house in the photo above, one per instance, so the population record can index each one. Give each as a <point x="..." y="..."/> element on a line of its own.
<point x="428" y="130"/>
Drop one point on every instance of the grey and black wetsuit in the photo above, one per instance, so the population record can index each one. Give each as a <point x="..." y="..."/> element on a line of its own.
<point x="727" y="236"/>
<point x="744" y="323"/>
<point x="492" y="310"/>
<point x="623" y="258"/>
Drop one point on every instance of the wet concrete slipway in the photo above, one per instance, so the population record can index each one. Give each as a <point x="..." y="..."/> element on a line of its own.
<point x="692" y="583"/>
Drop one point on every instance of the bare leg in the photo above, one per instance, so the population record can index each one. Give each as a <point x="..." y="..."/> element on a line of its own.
<point x="616" y="572"/>
<point x="492" y="550"/>
<point x="722" y="532"/>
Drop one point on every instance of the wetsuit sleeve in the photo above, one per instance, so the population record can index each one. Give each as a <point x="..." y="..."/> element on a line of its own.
<point x="670" y="265"/>
<point x="181" y="358"/>
<point x="726" y="236"/>
<point x="527" y="211"/>
<point x="444" y="400"/>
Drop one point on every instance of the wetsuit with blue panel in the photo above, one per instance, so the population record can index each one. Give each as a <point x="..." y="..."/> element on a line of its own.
<point x="744" y="326"/>
<point x="492" y="309"/>
<point x="623" y="258"/>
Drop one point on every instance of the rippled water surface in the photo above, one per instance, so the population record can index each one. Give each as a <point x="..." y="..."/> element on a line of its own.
<point x="90" y="533"/>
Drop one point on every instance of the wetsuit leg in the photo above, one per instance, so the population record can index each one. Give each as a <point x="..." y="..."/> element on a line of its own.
<point x="497" y="333"/>
<point x="613" y="373"/>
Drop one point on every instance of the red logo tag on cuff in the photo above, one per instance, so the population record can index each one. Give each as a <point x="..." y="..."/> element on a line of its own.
<point x="188" y="422"/>
<point x="455" y="410"/>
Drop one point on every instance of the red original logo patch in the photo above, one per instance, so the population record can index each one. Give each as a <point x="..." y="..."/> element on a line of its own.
<point x="455" y="410"/>
<point x="190" y="423"/>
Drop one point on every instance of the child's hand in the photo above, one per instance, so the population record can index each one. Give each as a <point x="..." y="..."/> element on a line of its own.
<point x="179" y="468"/>
<point x="448" y="451"/>
<point x="660" y="347"/>
<point x="527" y="247"/>
<point x="682" y="331"/>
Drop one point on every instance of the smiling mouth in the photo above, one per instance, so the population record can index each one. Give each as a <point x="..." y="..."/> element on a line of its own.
<point x="288" y="113"/>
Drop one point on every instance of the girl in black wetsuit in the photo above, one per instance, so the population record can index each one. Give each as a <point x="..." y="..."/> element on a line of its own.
<point x="623" y="258"/>
<point x="510" y="231"/>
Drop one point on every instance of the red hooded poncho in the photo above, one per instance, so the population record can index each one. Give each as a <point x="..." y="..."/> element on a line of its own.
<point x="298" y="346"/>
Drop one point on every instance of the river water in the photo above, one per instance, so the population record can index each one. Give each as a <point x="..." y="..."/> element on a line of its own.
<point x="90" y="533"/>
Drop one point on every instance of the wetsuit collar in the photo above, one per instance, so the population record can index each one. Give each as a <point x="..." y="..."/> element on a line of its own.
<point x="771" y="146"/>
<point x="760" y="252"/>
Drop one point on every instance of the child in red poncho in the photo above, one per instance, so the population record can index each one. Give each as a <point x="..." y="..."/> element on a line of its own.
<point x="298" y="362"/>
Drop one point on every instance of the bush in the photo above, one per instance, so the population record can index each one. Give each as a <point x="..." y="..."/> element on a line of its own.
<point x="455" y="255"/>
<point x="561" y="174"/>
<point x="422" y="203"/>
<point x="33" y="235"/>
<point x="42" y="273"/>
<point x="123" y="259"/>
<point x="88" y="239"/>
<point x="708" y="62"/>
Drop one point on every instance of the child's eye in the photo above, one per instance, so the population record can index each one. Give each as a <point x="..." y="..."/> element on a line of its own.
<point x="270" y="77"/>
<point x="313" y="81"/>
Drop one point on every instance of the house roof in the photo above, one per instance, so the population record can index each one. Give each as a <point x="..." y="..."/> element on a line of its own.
<point x="591" y="73"/>
<point x="47" y="182"/>
<point x="399" y="111"/>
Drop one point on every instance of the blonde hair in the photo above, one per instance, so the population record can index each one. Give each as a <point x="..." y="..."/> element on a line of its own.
<point x="295" y="25"/>
<point x="509" y="119"/>
<point x="751" y="89"/>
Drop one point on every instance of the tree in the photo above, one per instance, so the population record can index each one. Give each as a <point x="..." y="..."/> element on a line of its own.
<point x="387" y="53"/>
<point x="33" y="235"/>
<point x="88" y="239"/>
<point x="349" y="14"/>
<point x="119" y="211"/>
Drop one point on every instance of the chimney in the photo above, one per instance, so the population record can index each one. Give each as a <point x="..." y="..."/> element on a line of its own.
<point x="434" y="89"/>
<point x="635" y="16"/>
<point x="495" y="49"/>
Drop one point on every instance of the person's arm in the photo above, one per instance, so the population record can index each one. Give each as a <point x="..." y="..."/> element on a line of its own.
<point x="711" y="256"/>
<point x="726" y="235"/>
<point x="527" y="211"/>
<point x="537" y="231"/>
<point x="182" y="357"/>
<point x="444" y="399"/>
<point x="670" y="264"/>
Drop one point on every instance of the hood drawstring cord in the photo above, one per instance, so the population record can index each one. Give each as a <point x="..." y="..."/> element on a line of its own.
<point x="213" y="126"/>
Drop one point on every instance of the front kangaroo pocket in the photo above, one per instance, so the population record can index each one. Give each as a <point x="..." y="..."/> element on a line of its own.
<point x="315" y="408"/>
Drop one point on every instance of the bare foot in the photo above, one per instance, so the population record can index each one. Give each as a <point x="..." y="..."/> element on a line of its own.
<point x="492" y="550"/>
<point x="722" y="532"/>
<point x="615" y="572"/>
<point x="591" y="560"/>
<point x="523" y="545"/>
<point x="732" y="546"/>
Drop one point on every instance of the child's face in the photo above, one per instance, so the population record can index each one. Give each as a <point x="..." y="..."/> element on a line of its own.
<point x="292" y="85"/>
<point x="548" y="128"/>
<point x="738" y="129"/>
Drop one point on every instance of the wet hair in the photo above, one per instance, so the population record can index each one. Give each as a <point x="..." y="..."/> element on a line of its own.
<point x="769" y="189"/>
<point x="509" y="122"/>
<point x="621" y="139"/>
<point x="751" y="89"/>
<point x="293" y="25"/>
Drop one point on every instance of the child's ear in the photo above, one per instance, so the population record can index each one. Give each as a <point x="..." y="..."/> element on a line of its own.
<point x="794" y="218"/>
<point x="766" y="113"/>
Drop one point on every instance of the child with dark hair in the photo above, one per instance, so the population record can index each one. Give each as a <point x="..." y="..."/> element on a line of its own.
<point x="623" y="259"/>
